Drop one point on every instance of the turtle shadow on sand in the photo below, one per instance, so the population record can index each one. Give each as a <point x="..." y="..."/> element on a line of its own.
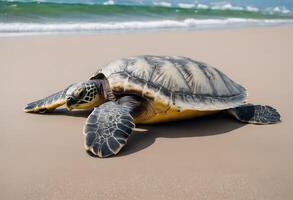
<point x="198" y="127"/>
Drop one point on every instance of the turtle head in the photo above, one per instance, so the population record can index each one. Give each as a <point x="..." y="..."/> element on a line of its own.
<point x="84" y="95"/>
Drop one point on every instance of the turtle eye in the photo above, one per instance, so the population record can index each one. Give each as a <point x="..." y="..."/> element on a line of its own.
<point x="81" y="94"/>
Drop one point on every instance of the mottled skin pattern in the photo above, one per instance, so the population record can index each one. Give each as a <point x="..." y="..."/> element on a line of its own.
<point x="151" y="89"/>
<point x="47" y="104"/>
<point x="81" y="95"/>
<point x="255" y="114"/>
<point x="113" y="133"/>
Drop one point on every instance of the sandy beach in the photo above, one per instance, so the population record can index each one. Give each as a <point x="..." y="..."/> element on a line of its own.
<point x="43" y="157"/>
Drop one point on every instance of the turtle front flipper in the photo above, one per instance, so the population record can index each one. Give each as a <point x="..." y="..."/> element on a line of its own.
<point x="255" y="114"/>
<point x="107" y="129"/>
<point x="47" y="104"/>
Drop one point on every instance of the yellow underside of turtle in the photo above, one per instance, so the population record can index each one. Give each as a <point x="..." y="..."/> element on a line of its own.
<point x="173" y="115"/>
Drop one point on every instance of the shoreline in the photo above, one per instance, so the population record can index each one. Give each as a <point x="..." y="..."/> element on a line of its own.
<point x="129" y="27"/>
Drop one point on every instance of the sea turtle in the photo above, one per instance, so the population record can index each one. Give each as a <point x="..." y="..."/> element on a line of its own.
<point x="151" y="89"/>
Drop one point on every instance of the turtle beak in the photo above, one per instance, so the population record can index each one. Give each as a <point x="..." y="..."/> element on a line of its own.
<point x="70" y="101"/>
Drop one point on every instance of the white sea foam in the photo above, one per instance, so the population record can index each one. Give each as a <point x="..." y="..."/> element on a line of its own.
<point x="202" y="6"/>
<point x="109" y="2"/>
<point x="252" y="9"/>
<point x="225" y="6"/>
<point x="278" y="9"/>
<point x="6" y="28"/>
<point x="162" y="3"/>
<point x="229" y="6"/>
<point x="185" y="5"/>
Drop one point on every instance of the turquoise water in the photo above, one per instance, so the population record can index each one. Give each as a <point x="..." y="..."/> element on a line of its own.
<point x="94" y="16"/>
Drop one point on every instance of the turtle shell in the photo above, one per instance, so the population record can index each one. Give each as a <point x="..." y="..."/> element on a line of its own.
<point x="174" y="81"/>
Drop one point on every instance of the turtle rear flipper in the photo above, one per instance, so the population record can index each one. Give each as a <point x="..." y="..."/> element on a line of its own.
<point x="47" y="104"/>
<point x="107" y="129"/>
<point x="256" y="114"/>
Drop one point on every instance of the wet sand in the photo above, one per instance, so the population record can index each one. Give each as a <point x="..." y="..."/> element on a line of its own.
<point x="42" y="156"/>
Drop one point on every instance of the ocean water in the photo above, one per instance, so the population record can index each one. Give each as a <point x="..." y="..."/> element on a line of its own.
<point x="90" y="16"/>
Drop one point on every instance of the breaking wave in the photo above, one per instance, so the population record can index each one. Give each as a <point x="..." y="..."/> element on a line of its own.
<point x="134" y="25"/>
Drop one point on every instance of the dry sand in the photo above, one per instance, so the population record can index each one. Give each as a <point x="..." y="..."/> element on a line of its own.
<point x="42" y="156"/>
